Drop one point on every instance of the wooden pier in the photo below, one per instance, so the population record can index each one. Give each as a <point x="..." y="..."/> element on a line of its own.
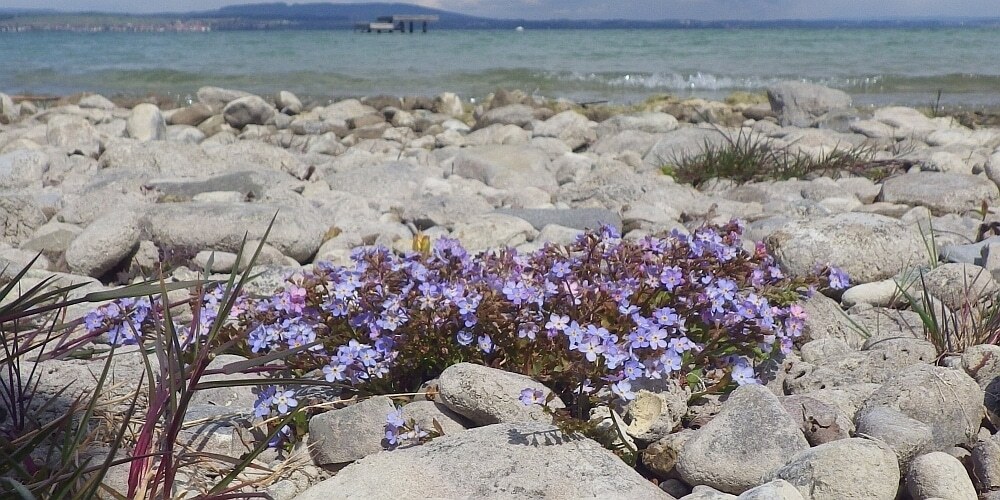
<point x="396" y="23"/>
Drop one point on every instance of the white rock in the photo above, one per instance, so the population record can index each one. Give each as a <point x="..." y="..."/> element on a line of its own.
<point x="146" y="123"/>
<point x="939" y="475"/>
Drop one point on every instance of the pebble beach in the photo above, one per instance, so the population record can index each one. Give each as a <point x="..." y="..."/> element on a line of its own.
<point x="866" y="406"/>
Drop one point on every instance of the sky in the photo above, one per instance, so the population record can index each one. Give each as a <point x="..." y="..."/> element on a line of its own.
<point x="604" y="9"/>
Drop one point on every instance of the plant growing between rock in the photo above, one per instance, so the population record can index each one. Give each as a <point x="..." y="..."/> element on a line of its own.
<point x="749" y="157"/>
<point x="595" y="320"/>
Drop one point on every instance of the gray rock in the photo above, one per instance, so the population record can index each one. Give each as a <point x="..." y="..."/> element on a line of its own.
<point x="778" y="489"/>
<point x="686" y="142"/>
<point x="982" y="362"/>
<point x="222" y="262"/>
<point x="649" y="122"/>
<point x="217" y="98"/>
<point x="576" y="218"/>
<point x="513" y="114"/>
<point x="493" y="231"/>
<point x="815" y="351"/>
<point x="661" y="457"/>
<point x="191" y="115"/>
<point x="180" y="227"/>
<point x="826" y="320"/>
<point x="289" y="103"/>
<point x="625" y="141"/>
<point x="751" y="437"/>
<point x="23" y="169"/>
<point x="986" y="464"/>
<point x="905" y="436"/>
<point x="249" y="110"/>
<point x="674" y="487"/>
<point x="352" y="433"/>
<point x="875" y="365"/>
<point x="702" y="492"/>
<point x="425" y="413"/>
<point x="398" y="182"/>
<point x="9" y="112"/>
<point x="957" y="285"/>
<point x="799" y="104"/>
<point x="868" y="247"/>
<point x="569" y="126"/>
<point x="656" y="411"/>
<point x="13" y="260"/>
<point x="20" y="216"/>
<point x="73" y="134"/>
<point x="906" y="123"/>
<point x="214" y="435"/>
<point x="524" y="461"/>
<point x="104" y="243"/>
<point x="341" y="111"/>
<point x="506" y="167"/>
<point x="820" y="422"/>
<point x="881" y="323"/>
<point x="847" y="468"/>
<point x="949" y="401"/>
<point x="146" y="123"/>
<point x="939" y="475"/>
<point x="238" y="399"/>
<point x="940" y="192"/>
<point x="885" y="293"/>
<point x="176" y="159"/>
<point x="873" y="129"/>
<point x="52" y="238"/>
<point x="847" y="399"/>
<point x="185" y="134"/>
<point x="449" y="103"/>
<point x="250" y="184"/>
<point x="971" y="253"/>
<point x="488" y="396"/>
<point x="556" y="234"/>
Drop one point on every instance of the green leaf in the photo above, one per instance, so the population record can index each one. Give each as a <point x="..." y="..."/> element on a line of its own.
<point x="20" y="489"/>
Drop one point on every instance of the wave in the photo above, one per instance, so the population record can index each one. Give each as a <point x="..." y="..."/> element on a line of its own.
<point x="616" y="86"/>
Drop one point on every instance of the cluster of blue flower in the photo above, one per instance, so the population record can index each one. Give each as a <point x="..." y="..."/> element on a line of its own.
<point x="398" y="431"/>
<point x="602" y="312"/>
<point x="124" y="320"/>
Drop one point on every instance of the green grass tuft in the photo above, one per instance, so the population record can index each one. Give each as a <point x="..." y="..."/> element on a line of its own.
<point x="748" y="157"/>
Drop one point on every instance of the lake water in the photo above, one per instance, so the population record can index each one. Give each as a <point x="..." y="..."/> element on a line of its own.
<point x="876" y="66"/>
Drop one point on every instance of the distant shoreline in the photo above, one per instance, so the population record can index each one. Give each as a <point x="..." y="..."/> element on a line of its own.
<point x="278" y="17"/>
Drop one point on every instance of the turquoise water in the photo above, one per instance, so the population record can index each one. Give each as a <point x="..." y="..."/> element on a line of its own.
<point x="906" y="66"/>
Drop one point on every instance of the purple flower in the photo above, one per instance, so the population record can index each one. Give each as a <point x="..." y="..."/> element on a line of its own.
<point x="623" y="389"/>
<point x="638" y="339"/>
<point x="464" y="337"/>
<point x="633" y="369"/>
<point x="527" y="330"/>
<point x="485" y="344"/>
<point x="284" y="401"/>
<point x="839" y="279"/>
<point x="592" y="347"/>
<point x="557" y="323"/>
<point x="560" y="269"/>
<point x="336" y="371"/>
<point x="395" y="418"/>
<point x="262" y="407"/>
<point x="531" y="396"/>
<point x="392" y="437"/>
<point x="671" y="278"/>
<point x="743" y="373"/>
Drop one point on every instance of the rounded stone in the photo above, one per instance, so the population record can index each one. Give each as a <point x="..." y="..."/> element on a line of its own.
<point x="869" y="247"/>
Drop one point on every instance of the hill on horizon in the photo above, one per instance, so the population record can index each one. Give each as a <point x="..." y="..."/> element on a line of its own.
<point x="328" y="15"/>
